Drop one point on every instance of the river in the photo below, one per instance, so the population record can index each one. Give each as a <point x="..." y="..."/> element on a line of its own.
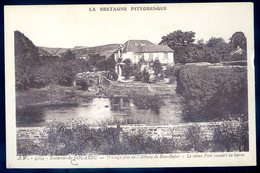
<point x="95" y="111"/>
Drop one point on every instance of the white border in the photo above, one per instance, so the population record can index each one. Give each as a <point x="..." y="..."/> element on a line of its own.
<point x="249" y="158"/>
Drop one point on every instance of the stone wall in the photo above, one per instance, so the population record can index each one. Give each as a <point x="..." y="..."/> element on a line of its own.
<point x="138" y="138"/>
<point x="205" y="130"/>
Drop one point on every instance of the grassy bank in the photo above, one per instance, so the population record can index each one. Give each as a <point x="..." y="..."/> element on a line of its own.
<point x="50" y="95"/>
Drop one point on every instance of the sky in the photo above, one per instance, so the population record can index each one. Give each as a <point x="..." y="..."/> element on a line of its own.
<point x="69" y="26"/>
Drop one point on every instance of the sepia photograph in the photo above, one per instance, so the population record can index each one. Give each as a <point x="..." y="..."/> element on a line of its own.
<point x="130" y="83"/>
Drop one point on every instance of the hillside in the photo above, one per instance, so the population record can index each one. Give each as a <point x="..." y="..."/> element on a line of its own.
<point x="25" y="50"/>
<point x="47" y="51"/>
<point x="80" y="51"/>
<point x="26" y="61"/>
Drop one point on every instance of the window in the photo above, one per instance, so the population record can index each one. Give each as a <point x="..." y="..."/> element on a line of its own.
<point x="150" y="56"/>
<point x="165" y="56"/>
<point x="135" y="58"/>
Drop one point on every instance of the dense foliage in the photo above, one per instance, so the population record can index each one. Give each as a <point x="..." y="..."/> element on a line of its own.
<point x="33" y="70"/>
<point x="101" y="62"/>
<point x="26" y="62"/>
<point x="213" y="92"/>
<point x="214" y="50"/>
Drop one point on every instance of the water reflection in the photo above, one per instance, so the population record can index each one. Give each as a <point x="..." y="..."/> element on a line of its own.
<point x="120" y="104"/>
<point x="33" y="114"/>
<point x="151" y="110"/>
<point x="154" y="103"/>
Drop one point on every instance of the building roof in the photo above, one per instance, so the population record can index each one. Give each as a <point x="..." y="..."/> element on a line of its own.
<point x="157" y="48"/>
<point x="141" y="46"/>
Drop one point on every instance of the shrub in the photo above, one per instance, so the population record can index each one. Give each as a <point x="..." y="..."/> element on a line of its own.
<point x="112" y="75"/>
<point x="228" y="137"/>
<point x="157" y="67"/>
<point x="77" y="138"/>
<point x="238" y="56"/>
<point x="195" y="141"/>
<point x="138" y="76"/>
<point x="127" y="69"/>
<point x="214" y="91"/>
<point x="66" y="77"/>
<point x="83" y="84"/>
<point x="145" y="76"/>
<point x="80" y="139"/>
<point x="153" y="102"/>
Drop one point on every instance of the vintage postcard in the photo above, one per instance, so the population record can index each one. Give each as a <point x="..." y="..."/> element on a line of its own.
<point x="130" y="85"/>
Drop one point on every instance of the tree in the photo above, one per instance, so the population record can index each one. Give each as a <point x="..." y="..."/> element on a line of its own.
<point x="69" y="55"/>
<point x="95" y="58"/>
<point x="157" y="67"/>
<point x="145" y="76"/>
<point x="214" y="42"/>
<point x="218" y="49"/>
<point x="238" y="39"/>
<point x="178" y="38"/>
<point x="66" y="75"/>
<point x="80" y="65"/>
<point x="127" y="69"/>
<point x="180" y="42"/>
<point x="106" y="64"/>
<point x="213" y="51"/>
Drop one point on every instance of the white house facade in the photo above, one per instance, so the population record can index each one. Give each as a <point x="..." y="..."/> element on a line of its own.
<point x="135" y="50"/>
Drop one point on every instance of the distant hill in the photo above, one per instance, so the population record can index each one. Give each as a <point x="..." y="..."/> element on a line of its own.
<point x="24" y="44"/>
<point x="80" y="47"/>
<point x="47" y="51"/>
<point x="80" y="51"/>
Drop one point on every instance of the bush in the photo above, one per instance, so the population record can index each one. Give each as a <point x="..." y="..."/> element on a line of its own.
<point x="228" y="138"/>
<point x="195" y="141"/>
<point x="153" y="102"/>
<point x="171" y="72"/>
<point x="112" y="75"/>
<point x="83" y="84"/>
<point x="138" y="76"/>
<point x="66" y="77"/>
<point x="157" y="67"/>
<point x="214" y="91"/>
<point x="79" y="139"/>
<point x="238" y="56"/>
<point x="127" y="69"/>
<point x="145" y="76"/>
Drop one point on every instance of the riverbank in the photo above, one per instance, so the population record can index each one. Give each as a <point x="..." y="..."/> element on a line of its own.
<point x="50" y="95"/>
<point x="58" y="95"/>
